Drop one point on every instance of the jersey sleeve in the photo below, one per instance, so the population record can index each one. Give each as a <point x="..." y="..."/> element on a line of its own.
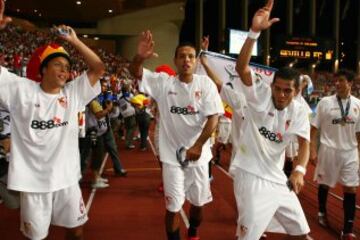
<point x="235" y="99"/>
<point x="316" y="119"/>
<point x="212" y="101"/>
<point x="83" y="90"/>
<point x="357" y="124"/>
<point x="301" y="125"/>
<point x="9" y="85"/>
<point x="258" y="94"/>
<point x="151" y="83"/>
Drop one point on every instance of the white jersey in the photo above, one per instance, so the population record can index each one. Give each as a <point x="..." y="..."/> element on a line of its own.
<point x="328" y="119"/>
<point x="265" y="131"/>
<point x="184" y="109"/>
<point x="44" y="132"/>
<point x="235" y="121"/>
<point x="126" y="109"/>
<point x="303" y="102"/>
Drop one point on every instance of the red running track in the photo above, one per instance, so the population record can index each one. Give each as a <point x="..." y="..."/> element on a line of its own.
<point x="131" y="208"/>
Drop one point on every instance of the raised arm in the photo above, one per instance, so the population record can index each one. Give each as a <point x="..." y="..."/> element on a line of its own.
<point x="94" y="63"/>
<point x="260" y="22"/>
<point x="145" y="50"/>
<point x="214" y="77"/>
<point x="3" y="19"/>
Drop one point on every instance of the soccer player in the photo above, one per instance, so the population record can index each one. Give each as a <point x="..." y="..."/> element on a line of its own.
<point x="265" y="201"/>
<point x="337" y="120"/>
<point x="44" y="158"/>
<point x="189" y="106"/>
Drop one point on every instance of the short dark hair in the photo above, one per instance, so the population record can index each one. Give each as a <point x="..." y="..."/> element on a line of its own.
<point x="184" y="44"/>
<point x="288" y="73"/>
<point x="348" y="74"/>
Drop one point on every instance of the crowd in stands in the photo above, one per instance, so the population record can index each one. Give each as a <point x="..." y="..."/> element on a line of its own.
<point x="17" y="45"/>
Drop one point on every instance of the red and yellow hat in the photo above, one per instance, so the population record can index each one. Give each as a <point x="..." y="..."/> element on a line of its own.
<point x="41" y="57"/>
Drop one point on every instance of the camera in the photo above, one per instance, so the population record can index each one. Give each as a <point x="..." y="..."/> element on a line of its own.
<point x="106" y="97"/>
<point x="1" y="125"/>
<point x="92" y="135"/>
<point x="60" y="31"/>
<point x="3" y="162"/>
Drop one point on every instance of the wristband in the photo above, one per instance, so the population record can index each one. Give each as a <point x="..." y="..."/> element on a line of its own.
<point x="300" y="169"/>
<point x="253" y="35"/>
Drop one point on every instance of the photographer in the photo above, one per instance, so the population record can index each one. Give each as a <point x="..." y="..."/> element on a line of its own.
<point x="128" y="113"/>
<point x="10" y="198"/>
<point x="98" y="117"/>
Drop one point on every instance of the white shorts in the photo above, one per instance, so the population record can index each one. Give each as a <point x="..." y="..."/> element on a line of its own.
<point x="191" y="183"/>
<point x="292" y="149"/>
<point x="223" y="132"/>
<point x="266" y="206"/>
<point x="63" y="208"/>
<point x="335" y="165"/>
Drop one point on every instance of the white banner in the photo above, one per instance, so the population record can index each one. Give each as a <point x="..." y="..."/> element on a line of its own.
<point x="224" y="67"/>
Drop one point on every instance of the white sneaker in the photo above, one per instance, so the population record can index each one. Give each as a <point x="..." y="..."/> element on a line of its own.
<point x="104" y="180"/>
<point x="99" y="184"/>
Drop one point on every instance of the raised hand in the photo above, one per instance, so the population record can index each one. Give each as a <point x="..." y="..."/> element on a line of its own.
<point x="65" y="32"/>
<point x="3" y="20"/>
<point x="261" y="19"/>
<point x="205" y="43"/>
<point x="145" y="48"/>
<point x="204" y="46"/>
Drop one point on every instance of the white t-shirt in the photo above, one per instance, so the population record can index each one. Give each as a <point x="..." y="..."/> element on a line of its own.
<point x="126" y="109"/>
<point x="328" y="120"/>
<point x="44" y="132"/>
<point x="265" y="131"/>
<point x="183" y="109"/>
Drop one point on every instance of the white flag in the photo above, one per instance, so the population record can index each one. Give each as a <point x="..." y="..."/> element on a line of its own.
<point x="224" y="67"/>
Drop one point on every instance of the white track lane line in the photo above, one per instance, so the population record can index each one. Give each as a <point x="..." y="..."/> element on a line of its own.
<point x="308" y="182"/>
<point x="182" y="212"/>
<point x="93" y="190"/>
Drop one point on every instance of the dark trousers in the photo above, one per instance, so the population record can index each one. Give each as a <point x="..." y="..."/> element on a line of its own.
<point x="106" y="143"/>
<point x="143" y="119"/>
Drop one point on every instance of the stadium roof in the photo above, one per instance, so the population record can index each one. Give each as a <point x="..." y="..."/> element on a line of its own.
<point x="77" y="12"/>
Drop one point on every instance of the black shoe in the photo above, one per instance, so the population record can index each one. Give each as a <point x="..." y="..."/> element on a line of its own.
<point x="323" y="220"/>
<point x="121" y="173"/>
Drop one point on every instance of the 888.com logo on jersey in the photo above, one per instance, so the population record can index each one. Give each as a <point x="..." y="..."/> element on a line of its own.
<point x="189" y="110"/>
<point x="52" y="123"/>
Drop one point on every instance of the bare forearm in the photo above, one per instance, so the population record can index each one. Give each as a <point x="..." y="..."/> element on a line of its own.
<point x="358" y="140"/>
<point x="313" y="139"/>
<point x="102" y="113"/>
<point x="92" y="60"/>
<point x="136" y="67"/>
<point x="242" y="63"/>
<point x="209" y="128"/>
<point x="304" y="152"/>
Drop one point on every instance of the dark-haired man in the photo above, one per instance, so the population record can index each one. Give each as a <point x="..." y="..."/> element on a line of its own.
<point x="338" y="121"/>
<point x="189" y="106"/>
<point x="271" y="119"/>
<point x="44" y="159"/>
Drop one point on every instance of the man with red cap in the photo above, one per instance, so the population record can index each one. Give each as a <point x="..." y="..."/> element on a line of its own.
<point x="44" y="161"/>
